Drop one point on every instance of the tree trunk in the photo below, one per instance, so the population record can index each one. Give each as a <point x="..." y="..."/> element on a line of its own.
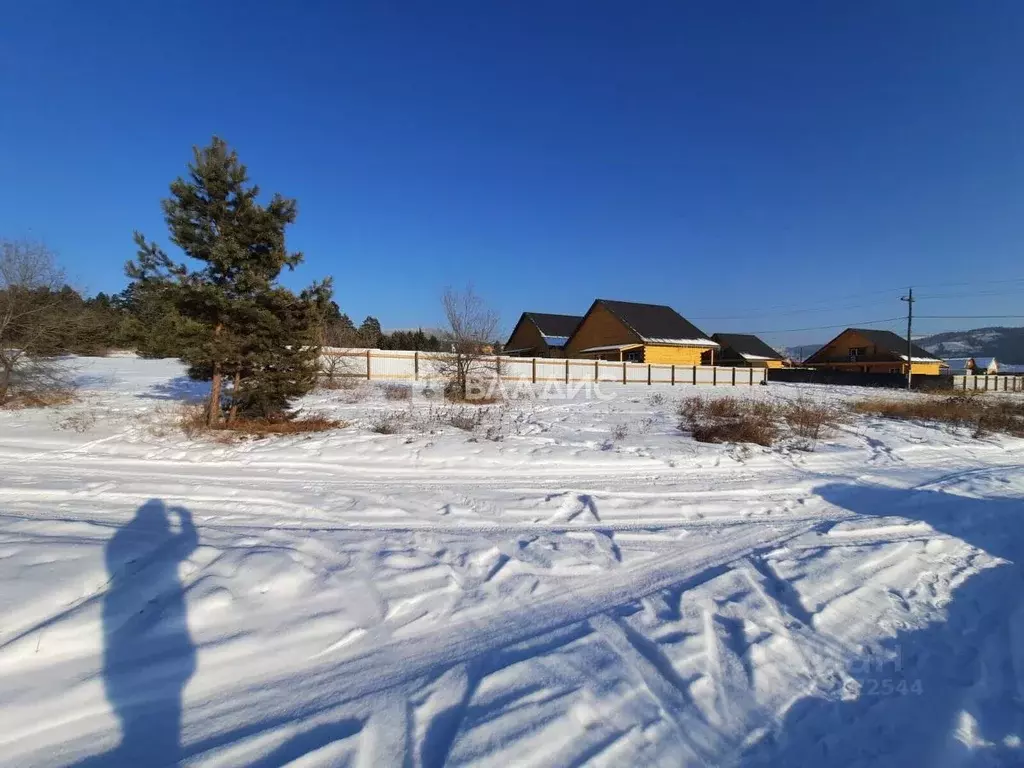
<point x="233" y="412"/>
<point x="5" y="384"/>
<point x="213" y="409"/>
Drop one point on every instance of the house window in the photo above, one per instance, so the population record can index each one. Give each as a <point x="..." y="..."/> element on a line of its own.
<point x="856" y="352"/>
<point x="894" y="370"/>
<point x="635" y="356"/>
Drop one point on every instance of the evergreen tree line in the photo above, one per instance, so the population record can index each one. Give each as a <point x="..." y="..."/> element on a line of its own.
<point x="340" y="331"/>
<point x="146" y="319"/>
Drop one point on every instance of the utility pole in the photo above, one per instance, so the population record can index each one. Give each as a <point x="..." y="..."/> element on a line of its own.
<point x="909" y="298"/>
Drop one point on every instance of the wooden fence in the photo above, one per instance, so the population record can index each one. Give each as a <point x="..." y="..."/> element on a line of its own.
<point x="423" y="366"/>
<point x="989" y="383"/>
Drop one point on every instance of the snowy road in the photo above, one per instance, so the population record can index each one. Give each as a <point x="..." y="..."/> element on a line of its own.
<point x="554" y="598"/>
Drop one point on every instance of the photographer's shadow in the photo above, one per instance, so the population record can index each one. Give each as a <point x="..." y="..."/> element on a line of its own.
<point x="953" y="694"/>
<point x="148" y="654"/>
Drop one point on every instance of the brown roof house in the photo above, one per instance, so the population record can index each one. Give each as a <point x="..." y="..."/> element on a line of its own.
<point x="746" y="350"/>
<point x="871" y="351"/>
<point x="643" y="333"/>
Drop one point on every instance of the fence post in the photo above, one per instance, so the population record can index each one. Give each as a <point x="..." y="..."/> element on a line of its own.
<point x="648" y="374"/>
<point x="567" y="371"/>
<point x="673" y="374"/>
<point x="497" y="366"/>
<point x="416" y="365"/>
<point x="597" y="369"/>
<point x="623" y="371"/>
<point x="367" y="365"/>
<point x="714" y="375"/>
<point x="965" y="381"/>
<point x="975" y="383"/>
<point x="695" y="375"/>
<point x="986" y="382"/>
<point x="533" y="369"/>
<point x="734" y="375"/>
<point x="752" y="374"/>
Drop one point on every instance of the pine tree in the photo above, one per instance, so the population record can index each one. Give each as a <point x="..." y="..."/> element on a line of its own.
<point x="370" y="332"/>
<point x="250" y="331"/>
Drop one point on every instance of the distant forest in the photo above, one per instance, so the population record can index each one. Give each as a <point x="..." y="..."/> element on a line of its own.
<point x="145" y="318"/>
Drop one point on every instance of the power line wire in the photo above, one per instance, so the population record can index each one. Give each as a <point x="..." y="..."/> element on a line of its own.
<point x="837" y="325"/>
<point x="788" y="309"/>
<point x="970" y="317"/>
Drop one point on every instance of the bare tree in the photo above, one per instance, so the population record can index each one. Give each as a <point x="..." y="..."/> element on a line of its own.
<point x="472" y="327"/>
<point x="32" y="319"/>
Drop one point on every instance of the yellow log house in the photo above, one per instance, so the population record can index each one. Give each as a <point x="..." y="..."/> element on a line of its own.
<point x="746" y="350"/>
<point x="642" y="333"/>
<point x="871" y="351"/>
<point x="539" y="334"/>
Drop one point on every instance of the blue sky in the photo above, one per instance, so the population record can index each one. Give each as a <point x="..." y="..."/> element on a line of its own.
<point x="759" y="166"/>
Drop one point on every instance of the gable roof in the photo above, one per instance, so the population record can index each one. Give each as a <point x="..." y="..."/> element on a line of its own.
<point x="746" y="344"/>
<point x="886" y="341"/>
<point x="553" y="325"/>
<point x="554" y="329"/>
<point x="893" y="343"/>
<point x="657" y="323"/>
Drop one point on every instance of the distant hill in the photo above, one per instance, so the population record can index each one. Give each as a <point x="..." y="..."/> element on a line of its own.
<point x="1004" y="344"/>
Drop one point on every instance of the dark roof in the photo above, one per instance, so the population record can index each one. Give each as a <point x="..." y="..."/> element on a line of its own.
<point x="653" y="321"/>
<point x="746" y="344"/>
<point x="554" y="325"/>
<point x="891" y="342"/>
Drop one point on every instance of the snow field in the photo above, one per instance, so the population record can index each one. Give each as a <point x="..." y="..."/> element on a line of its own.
<point x="592" y="587"/>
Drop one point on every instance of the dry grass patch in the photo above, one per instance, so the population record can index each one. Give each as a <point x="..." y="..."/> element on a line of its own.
<point x="192" y="420"/>
<point x="42" y="399"/>
<point x="982" y="413"/>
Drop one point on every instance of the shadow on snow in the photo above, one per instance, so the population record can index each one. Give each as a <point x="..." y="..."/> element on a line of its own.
<point x="179" y="388"/>
<point x="148" y="654"/>
<point x="968" y="666"/>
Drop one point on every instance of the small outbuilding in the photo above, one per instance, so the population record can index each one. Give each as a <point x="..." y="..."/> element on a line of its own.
<point x="746" y="350"/>
<point x="866" y="350"/>
<point x="539" y="334"/>
<point x="642" y="333"/>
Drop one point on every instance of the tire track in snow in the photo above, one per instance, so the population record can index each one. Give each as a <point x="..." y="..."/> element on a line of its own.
<point x="370" y="671"/>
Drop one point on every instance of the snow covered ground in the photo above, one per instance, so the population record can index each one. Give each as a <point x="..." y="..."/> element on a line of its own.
<point x="591" y="588"/>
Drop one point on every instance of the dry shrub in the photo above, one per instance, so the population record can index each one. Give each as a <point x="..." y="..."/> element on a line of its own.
<point x="729" y="420"/>
<point x="397" y="391"/>
<point x="459" y="416"/>
<point x="192" y="419"/>
<point x="476" y="393"/>
<point x="619" y="432"/>
<point x="811" y="420"/>
<point x="357" y="392"/>
<point x="388" y="422"/>
<point x="341" y="382"/>
<point x="656" y="398"/>
<point x="79" y="422"/>
<point x="982" y="413"/>
<point x="699" y="407"/>
<point x="757" y="430"/>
